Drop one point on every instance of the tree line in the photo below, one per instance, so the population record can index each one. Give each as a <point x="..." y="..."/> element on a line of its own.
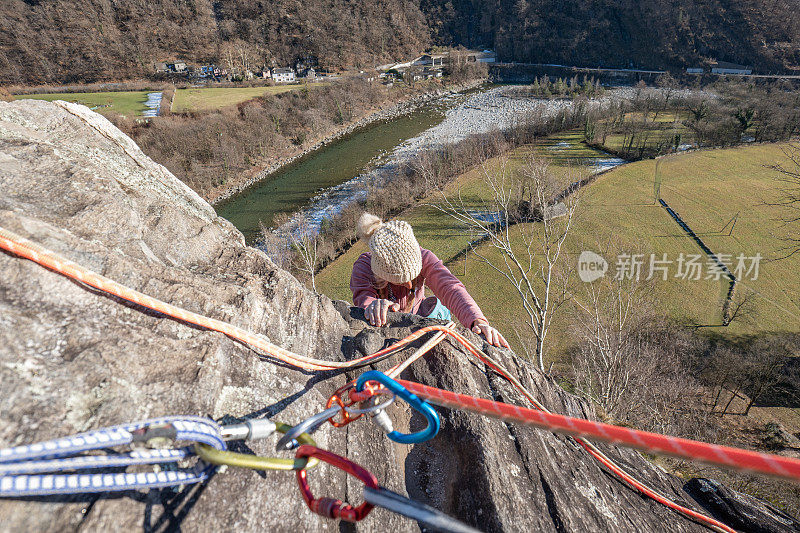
<point x="625" y="33"/>
<point x="656" y="122"/>
<point x="66" y="41"/>
<point x="208" y="150"/>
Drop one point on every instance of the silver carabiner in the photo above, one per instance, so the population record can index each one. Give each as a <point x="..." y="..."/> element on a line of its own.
<point x="373" y="409"/>
<point x="289" y="442"/>
<point x="377" y="412"/>
<point x="251" y="429"/>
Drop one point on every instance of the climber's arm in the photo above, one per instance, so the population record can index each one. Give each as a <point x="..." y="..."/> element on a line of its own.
<point x="453" y="294"/>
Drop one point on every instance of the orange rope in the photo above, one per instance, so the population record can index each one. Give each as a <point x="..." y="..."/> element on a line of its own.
<point x="22" y="247"/>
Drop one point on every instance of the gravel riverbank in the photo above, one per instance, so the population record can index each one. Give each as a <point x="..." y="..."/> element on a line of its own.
<point x="495" y="109"/>
<point x="401" y="108"/>
<point x="500" y="109"/>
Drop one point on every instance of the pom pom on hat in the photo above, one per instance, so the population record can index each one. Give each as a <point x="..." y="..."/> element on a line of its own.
<point x="396" y="255"/>
<point x="367" y="225"/>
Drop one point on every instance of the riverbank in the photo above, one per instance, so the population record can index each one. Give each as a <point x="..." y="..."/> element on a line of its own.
<point x="411" y="174"/>
<point x="475" y="129"/>
<point x="491" y="112"/>
<point x="394" y="110"/>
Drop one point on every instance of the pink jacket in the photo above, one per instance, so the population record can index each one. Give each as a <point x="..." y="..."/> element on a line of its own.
<point x="445" y="286"/>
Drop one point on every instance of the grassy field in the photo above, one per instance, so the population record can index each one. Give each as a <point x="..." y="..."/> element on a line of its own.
<point x="569" y="160"/>
<point x="714" y="189"/>
<point x="652" y="133"/>
<point x="707" y="188"/>
<point x="208" y="99"/>
<point x="124" y="103"/>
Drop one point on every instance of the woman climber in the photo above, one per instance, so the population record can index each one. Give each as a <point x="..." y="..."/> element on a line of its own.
<point x="393" y="274"/>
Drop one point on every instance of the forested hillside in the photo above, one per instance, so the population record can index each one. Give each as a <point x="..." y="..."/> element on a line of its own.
<point x="91" y="40"/>
<point x="621" y="33"/>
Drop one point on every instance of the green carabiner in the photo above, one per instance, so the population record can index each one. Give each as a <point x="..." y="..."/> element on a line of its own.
<point x="255" y="462"/>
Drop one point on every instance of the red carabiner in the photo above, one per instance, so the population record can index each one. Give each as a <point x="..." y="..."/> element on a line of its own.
<point x="368" y="392"/>
<point x="331" y="507"/>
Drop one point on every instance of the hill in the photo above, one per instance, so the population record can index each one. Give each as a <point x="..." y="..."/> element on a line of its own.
<point x="624" y="33"/>
<point x="63" y="41"/>
<point x="74" y="42"/>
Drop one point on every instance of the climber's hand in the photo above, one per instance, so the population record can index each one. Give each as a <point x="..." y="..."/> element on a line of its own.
<point x="492" y="336"/>
<point x="377" y="312"/>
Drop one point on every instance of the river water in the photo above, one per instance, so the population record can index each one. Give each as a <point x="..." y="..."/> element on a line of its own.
<point x="294" y="186"/>
<point x="152" y="105"/>
<point x="328" y="179"/>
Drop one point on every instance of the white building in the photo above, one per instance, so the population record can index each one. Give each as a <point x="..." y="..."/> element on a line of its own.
<point x="694" y="70"/>
<point x="722" y="67"/>
<point x="283" y="75"/>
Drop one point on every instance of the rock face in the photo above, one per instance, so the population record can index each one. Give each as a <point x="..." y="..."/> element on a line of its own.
<point x="72" y="359"/>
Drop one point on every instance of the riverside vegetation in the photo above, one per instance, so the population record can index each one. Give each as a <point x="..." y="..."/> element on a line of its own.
<point x="214" y="150"/>
<point x="723" y="114"/>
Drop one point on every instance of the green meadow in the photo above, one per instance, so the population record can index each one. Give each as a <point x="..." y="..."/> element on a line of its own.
<point x="211" y="98"/>
<point x="124" y="102"/>
<point x="710" y="189"/>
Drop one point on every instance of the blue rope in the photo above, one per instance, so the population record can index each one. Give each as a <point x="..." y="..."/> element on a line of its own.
<point x="22" y="468"/>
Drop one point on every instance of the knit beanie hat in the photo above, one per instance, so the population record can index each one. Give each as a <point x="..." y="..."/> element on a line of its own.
<point x="396" y="256"/>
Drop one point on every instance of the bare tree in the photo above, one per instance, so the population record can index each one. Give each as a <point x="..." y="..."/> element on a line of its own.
<point x="789" y="201"/>
<point x="526" y="221"/>
<point x="304" y="240"/>
<point x="740" y="307"/>
<point x="668" y="86"/>
<point x="275" y="245"/>
<point x="747" y="372"/>
<point x="609" y="364"/>
<point x="632" y="363"/>
<point x="766" y="366"/>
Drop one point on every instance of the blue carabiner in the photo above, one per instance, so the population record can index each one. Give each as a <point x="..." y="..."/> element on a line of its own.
<point x="413" y="400"/>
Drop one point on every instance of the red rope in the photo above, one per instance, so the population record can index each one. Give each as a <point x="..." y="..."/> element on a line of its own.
<point x="24" y="248"/>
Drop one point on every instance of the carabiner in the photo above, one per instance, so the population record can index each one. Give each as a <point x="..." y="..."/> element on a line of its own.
<point x="424" y="514"/>
<point x="423" y="407"/>
<point x="253" y="430"/>
<point x="289" y="440"/>
<point x="331" y="507"/>
<point x="376" y="407"/>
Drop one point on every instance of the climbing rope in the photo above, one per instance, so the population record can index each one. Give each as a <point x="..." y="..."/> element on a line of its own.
<point x="24" y="248"/>
<point x="579" y="428"/>
<point x="725" y="456"/>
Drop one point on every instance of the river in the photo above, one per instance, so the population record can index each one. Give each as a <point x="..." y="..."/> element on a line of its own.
<point x="294" y="186"/>
<point x="328" y="179"/>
